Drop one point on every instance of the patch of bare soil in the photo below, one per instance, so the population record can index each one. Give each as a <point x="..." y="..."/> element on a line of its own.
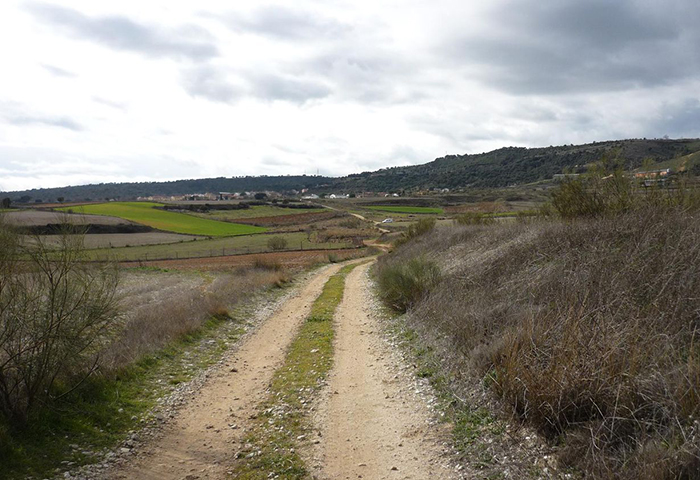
<point x="201" y="440"/>
<point x="373" y="422"/>
<point x="290" y="219"/>
<point x="109" y="240"/>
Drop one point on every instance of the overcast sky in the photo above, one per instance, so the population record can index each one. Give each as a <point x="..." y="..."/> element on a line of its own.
<point x="149" y="90"/>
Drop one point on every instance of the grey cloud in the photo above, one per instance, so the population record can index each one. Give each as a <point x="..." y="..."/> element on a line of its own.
<point x="573" y="46"/>
<point x="276" y="87"/>
<point x="679" y="119"/>
<point x="50" y="121"/>
<point x="210" y="83"/>
<point x="285" y="23"/>
<point x="368" y="77"/>
<point x="59" y="72"/>
<point x="215" y="84"/>
<point x="121" y="33"/>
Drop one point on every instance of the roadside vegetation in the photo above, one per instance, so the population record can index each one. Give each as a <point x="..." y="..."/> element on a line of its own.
<point x="281" y="423"/>
<point x="86" y="350"/>
<point x="584" y="322"/>
<point x="148" y="213"/>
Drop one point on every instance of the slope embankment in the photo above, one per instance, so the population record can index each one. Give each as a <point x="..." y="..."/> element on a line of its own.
<point x="586" y="330"/>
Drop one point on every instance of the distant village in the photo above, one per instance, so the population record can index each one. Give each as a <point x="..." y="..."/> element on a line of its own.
<point x="273" y="195"/>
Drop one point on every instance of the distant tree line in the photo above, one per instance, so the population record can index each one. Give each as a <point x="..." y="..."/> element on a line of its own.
<point x="500" y="168"/>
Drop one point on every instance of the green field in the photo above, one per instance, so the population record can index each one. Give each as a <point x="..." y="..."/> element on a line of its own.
<point x="257" y="211"/>
<point x="146" y="214"/>
<point x="208" y="248"/>
<point x="408" y="209"/>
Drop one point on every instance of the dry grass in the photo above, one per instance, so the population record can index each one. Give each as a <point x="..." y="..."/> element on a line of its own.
<point x="588" y="330"/>
<point x="150" y="325"/>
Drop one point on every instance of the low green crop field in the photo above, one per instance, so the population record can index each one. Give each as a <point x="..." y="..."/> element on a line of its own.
<point x="399" y="209"/>
<point x="146" y="213"/>
<point x="209" y="248"/>
<point x="258" y="211"/>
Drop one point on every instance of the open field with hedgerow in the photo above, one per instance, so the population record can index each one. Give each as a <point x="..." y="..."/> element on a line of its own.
<point x="147" y="213"/>
<point x="31" y="217"/>
<point x="241" y="244"/>
<point x="117" y="240"/>
<point x="405" y="209"/>
<point x="256" y="211"/>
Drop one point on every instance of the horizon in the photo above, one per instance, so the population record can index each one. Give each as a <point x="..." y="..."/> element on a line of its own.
<point x="135" y="92"/>
<point x="342" y="176"/>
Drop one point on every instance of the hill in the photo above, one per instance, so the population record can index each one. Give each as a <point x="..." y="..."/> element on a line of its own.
<point x="514" y="165"/>
<point x="499" y="168"/>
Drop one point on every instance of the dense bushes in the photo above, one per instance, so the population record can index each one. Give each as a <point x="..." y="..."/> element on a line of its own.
<point x="277" y="243"/>
<point x="601" y="192"/>
<point x="589" y="330"/>
<point x="402" y="285"/>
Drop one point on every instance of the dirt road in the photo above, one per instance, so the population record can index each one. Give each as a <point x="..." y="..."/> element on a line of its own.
<point x="372" y="423"/>
<point x="200" y="441"/>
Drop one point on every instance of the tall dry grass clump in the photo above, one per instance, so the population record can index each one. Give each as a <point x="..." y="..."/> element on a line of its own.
<point x="149" y="327"/>
<point x="403" y="285"/>
<point x="587" y="329"/>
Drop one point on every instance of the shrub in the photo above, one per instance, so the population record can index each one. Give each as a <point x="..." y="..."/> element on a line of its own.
<point x="601" y="194"/>
<point x="473" y="218"/>
<point x="277" y="243"/>
<point x="55" y="313"/>
<point x="265" y="263"/>
<point x="402" y="285"/>
<point x="424" y="225"/>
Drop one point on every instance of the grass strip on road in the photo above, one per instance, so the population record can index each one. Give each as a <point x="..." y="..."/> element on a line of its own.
<point x="399" y="209"/>
<point x="281" y="423"/>
<point x="146" y="213"/>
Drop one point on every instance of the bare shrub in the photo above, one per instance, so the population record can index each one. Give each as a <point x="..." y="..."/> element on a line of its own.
<point x="588" y="330"/>
<point x="277" y="243"/>
<point x="55" y="313"/>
